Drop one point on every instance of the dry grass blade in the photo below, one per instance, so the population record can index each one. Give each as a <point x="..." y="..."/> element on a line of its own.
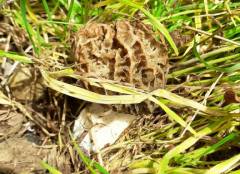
<point x="224" y="166"/>
<point x="134" y="97"/>
<point x="187" y="102"/>
<point x="215" y="36"/>
<point x="4" y="100"/>
<point x="127" y="90"/>
<point x="86" y="95"/>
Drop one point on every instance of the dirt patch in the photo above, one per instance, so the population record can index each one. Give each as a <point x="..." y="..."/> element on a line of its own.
<point x="18" y="152"/>
<point x="19" y="155"/>
<point x="10" y="123"/>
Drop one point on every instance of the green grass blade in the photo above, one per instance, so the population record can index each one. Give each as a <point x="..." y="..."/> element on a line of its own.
<point x="227" y="70"/>
<point x="46" y="8"/>
<point x="100" y="168"/>
<point x="193" y="157"/>
<point x="70" y="10"/>
<point x="155" y="23"/>
<point x="85" y="160"/>
<point x="202" y="65"/>
<point x="23" y="4"/>
<point x="214" y="147"/>
<point x="179" y="170"/>
<point x="210" y="54"/>
<point x="14" y="56"/>
<point x="187" y="144"/>
<point x="51" y="169"/>
<point x="90" y="164"/>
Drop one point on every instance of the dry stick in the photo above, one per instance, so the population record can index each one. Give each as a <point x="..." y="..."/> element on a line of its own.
<point x="229" y="12"/>
<point x="234" y="12"/>
<point x="210" y="34"/>
<point x="44" y="142"/>
<point x="209" y="54"/>
<point x="63" y="122"/>
<point x="204" y="102"/>
<point x="6" y="50"/>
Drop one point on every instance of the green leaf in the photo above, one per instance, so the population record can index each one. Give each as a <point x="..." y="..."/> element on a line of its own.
<point x="14" y="56"/>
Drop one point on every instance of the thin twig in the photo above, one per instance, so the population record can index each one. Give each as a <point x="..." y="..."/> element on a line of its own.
<point x="210" y="34"/>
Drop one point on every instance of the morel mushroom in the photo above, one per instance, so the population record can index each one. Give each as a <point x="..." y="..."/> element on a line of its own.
<point x="123" y="51"/>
